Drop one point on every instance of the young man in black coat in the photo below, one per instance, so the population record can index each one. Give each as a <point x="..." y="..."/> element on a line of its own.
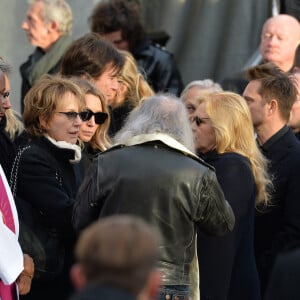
<point x="270" y="95"/>
<point x="119" y="22"/>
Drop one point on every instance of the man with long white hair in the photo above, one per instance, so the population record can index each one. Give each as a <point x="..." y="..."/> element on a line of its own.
<point x="154" y="174"/>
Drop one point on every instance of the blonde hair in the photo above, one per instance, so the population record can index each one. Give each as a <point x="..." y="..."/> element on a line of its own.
<point x="100" y="139"/>
<point x="232" y="124"/>
<point x="42" y="99"/>
<point x="14" y="126"/>
<point x="137" y="87"/>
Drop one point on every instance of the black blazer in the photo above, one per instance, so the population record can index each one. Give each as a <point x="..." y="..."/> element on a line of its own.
<point x="277" y="228"/>
<point x="227" y="265"/>
<point x="49" y="182"/>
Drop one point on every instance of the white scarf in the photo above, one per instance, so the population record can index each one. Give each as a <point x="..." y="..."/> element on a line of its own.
<point x="66" y="145"/>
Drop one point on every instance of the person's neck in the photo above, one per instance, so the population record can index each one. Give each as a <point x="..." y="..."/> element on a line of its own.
<point x="51" y="42"/>
<point x="285" y="66"/>
<point x="266" y="131"/>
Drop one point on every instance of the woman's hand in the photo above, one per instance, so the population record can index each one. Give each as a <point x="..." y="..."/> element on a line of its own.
<point x="25" y="278"/>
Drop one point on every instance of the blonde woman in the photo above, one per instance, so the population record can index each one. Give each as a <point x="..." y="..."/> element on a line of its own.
<point x="93" y="131"/>
<point x="12" y="133"/>
<point x="224" y="138"/>
<point x="132" y="89"/>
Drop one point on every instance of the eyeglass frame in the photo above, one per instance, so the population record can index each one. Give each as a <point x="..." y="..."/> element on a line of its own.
<point x="72" y="115"/>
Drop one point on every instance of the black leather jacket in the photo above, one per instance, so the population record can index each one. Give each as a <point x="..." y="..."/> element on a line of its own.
<point x="171" y="190"/>
<point x="159" y="67"/>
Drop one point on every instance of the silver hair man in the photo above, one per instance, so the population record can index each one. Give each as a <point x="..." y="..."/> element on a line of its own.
<point x="196" y="89"/>
<point x="59" y="11"/>
<point x="206" y="84"/>
<point x="162" y="113"/>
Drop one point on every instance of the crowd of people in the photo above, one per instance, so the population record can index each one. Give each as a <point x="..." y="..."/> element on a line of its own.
<point x="119" y="182"/>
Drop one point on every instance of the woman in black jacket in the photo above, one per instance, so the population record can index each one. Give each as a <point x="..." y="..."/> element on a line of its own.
<point x="46" y="176"/>
<point x="93" y="131"/>
<point x="224" y="138"/>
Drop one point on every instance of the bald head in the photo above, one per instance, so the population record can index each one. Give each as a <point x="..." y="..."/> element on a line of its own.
<point x="279" y="40"/>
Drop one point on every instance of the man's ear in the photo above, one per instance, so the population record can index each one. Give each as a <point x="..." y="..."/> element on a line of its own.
<point x="273" y="106"/>
<point x="52" y="26"/>
<point x="78" y="277"/>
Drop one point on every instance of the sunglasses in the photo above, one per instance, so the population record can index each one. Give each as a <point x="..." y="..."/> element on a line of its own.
<point x="72" y="115"/>
<point x="198" y="120"/>
<point x="100" y="117"/>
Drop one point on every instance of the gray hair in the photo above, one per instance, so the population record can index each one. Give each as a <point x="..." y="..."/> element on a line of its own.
<point x="59" y="11"/>
<point x="161" y="113"/>
<point x="206" y="84"/>
<point x="5" y="67"/>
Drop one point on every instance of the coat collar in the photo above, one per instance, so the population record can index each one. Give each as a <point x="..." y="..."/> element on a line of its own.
<point x="164" y="138"/>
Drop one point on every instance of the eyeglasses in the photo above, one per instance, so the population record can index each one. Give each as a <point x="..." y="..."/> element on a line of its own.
<point x="100" y="117"/>
<point x="198" y="120"/>
<point x="72" y="115"/>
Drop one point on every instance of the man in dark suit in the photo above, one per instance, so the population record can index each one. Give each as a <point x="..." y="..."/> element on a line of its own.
<point x="270" y="95"/>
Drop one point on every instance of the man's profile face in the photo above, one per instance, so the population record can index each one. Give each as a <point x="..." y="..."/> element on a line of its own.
<point x="34" y="26"/>
<point x="108" y="84"/>
<point x="256" y="104"/>
<point x="116" y="39"/>
<point x="279" y="40"/>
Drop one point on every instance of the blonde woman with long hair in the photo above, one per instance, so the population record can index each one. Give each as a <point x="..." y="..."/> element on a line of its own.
<point x="224" y="137"/>
<point x="12" y="133"/>
<point x="133" y="88"/>
<point x="93" y="133"/>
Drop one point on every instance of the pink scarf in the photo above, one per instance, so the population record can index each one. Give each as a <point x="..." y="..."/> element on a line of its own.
<point x="7" y="292"/>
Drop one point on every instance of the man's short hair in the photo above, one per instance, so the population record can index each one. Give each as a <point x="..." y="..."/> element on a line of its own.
<point x="120" y="251"/>
<point x="115" y="15"/>
<point x="275" y="84"/>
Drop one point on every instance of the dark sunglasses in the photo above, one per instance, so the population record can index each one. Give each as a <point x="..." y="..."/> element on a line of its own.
<point x="100" y="117"/>
<point x="198" y="120"/>
<point x="72" y="115"/>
